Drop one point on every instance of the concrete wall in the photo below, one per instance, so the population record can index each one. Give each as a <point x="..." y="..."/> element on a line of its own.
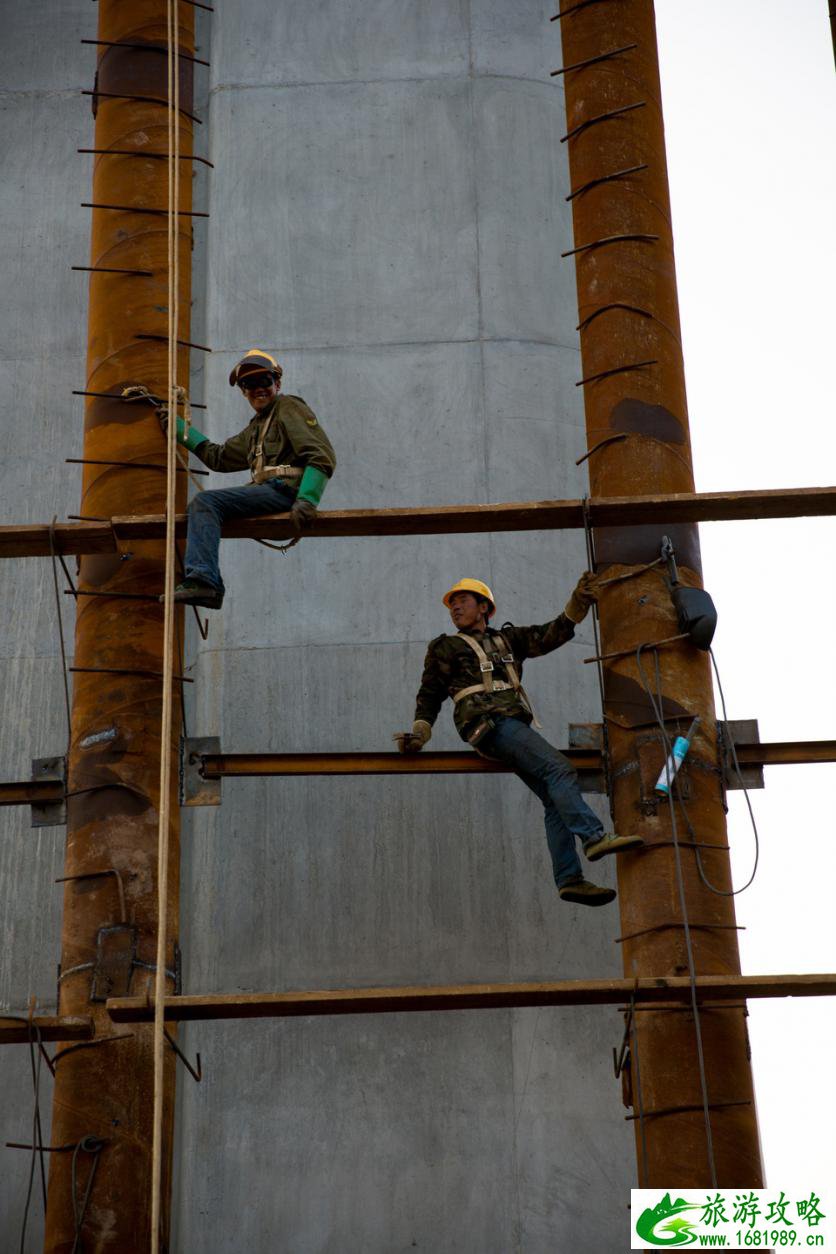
<point x="43" y="333"/>
<point x="387" y="214"/>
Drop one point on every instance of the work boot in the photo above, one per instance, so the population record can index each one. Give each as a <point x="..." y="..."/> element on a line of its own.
<point x="610" y="843"/>
<point x="582" y="893"/>
<point x="198" y="592"/>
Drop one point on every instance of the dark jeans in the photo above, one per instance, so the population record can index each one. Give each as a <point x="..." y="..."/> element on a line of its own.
<point x="209" y="510"/>
<point x="554" y="780"/>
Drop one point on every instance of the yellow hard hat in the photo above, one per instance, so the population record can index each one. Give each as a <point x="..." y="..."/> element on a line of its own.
<point x="475" y="586"/>
<point x="256" y="360"/>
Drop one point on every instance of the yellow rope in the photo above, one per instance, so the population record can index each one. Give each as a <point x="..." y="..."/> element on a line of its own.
<point x="172" y="18"/>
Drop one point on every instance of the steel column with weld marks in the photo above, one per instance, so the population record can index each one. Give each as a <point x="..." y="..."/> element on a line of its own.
<point x="110" y="907"/>
<point x="633" y="380"/>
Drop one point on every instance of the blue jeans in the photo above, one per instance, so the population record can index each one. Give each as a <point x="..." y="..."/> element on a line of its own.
<point x="555" y="781"/>
<point x="209" y="510"/>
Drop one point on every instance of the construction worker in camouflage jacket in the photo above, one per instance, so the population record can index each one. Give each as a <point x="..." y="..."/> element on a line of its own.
<point x="290" y="459"/>
<point x="481" y="669"/>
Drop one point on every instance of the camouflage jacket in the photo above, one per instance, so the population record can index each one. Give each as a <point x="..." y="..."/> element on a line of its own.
<point x="451" y="665"/>
<point x="294" y="438"/>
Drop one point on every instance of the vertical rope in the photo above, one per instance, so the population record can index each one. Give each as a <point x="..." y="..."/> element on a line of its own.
<point x="172" y="19"/>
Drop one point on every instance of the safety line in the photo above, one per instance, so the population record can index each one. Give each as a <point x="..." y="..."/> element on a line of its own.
<point x="173" y="148"/>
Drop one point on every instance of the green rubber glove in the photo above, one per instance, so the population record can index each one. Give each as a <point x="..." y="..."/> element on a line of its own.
<point x="312" y="485"/>
<point x="192" y="440"/>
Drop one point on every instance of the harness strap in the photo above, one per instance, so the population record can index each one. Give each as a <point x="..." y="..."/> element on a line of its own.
<point x="499" y="686"/>
<point x="258" y="450"/>
<point x="489" y="684"/>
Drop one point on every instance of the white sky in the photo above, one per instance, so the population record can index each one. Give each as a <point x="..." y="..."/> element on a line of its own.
<point x="748" y="91"/>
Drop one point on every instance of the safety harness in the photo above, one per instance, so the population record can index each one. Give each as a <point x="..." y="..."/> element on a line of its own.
<point x="489" y="684"/>
<point x="262" y="473"/>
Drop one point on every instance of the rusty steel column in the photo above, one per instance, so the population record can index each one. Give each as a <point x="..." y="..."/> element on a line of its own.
<point x="637" y="423"/>
<point x="105" y="1090"/>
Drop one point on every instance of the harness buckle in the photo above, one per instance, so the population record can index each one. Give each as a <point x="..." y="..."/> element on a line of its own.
<point x="486" y="666"/>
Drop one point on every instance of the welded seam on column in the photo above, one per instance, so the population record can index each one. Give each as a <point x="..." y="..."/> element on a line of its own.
<point x="351" y="344"/>
<point x="372" y="82"/>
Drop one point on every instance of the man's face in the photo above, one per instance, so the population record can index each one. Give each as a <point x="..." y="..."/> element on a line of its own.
<point x="467" y="611"/>
<point x="260" y="389"/>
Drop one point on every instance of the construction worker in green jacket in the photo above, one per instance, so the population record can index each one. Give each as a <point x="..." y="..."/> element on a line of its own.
<point x="290" y="459"/>
<point x="480" y="669"/>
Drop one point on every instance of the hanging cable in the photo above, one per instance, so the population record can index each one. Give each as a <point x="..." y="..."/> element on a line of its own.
<point x="634" y="1057"/>
<point x="60" y="631"/>
<point x="722" y="892"/>
<point x="90" y="1145"/>
<point x="172" y="18"/>
<point x="590" y="562"/>
<point x="37" y="1135"/>
<point x="599" y="666"/>
<point x="658" y="710"/>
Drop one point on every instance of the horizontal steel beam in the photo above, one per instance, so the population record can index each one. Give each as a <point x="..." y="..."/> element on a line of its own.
<point x="31" y="792"/>
<point x="14" y="1029"/>
<point x="231" y="765"/>
<point x="353" y="1001"/>
<point x="33" y="539"/>
<point x="223" y="765"/>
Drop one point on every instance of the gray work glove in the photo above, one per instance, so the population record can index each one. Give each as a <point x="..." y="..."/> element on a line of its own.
<point x="162" y="413"/>
<point x="585" y="594"/>
<point x="414" y="741"/>
<point x="302" y="515"/>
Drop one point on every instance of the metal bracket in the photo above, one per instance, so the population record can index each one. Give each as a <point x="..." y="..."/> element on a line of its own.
<point x="49" y="813"/>
<point x="739" y="731"/>
<point x="195" y="789"/>
<point x="590" y="736"/>
<point x="114" y="963"/>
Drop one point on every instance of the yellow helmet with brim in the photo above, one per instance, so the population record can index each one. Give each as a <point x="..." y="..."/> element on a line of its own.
<point x="475" y="586"/>
<point x="255" y="360"/>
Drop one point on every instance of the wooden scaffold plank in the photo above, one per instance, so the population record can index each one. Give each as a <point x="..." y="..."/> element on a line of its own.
<point x="15" y="1030"/>
<point x="33" y="539"/>
<point x="352" y="1001"/>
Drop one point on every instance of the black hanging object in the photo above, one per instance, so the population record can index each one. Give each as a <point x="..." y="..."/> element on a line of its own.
<point x="695" y="611"/>
<point x="696" y="615"/>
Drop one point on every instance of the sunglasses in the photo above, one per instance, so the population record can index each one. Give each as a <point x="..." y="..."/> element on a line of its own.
<point x="253" y="381"/>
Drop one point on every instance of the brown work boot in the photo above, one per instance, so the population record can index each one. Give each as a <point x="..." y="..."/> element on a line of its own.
<point x="610" y="843"/>
<point x="198" y="592"/>
<point x="582" y="893"/>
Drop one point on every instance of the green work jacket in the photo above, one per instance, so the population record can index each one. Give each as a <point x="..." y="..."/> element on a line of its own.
<point x="294" y="438"/>
<point x="451" y="665"/>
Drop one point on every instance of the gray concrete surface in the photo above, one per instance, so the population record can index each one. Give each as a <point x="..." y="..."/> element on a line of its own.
<point x="387" y="215"/>
<point x="43" y="231"/>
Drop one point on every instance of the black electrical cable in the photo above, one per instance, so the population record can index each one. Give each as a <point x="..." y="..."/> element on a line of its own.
<point x="60" y="630"/>
<point x="37" y="1140"/>
<point x="658" y="710"/>
<point x="91" y="1145"/>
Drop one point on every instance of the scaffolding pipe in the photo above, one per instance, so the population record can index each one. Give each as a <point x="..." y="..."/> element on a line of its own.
<point x="637" y="423"/>
<point x="114" y="759"/>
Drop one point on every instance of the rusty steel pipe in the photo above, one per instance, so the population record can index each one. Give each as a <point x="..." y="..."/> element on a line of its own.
<point x="635" y="388"/>
<point x="114" y="762"/>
